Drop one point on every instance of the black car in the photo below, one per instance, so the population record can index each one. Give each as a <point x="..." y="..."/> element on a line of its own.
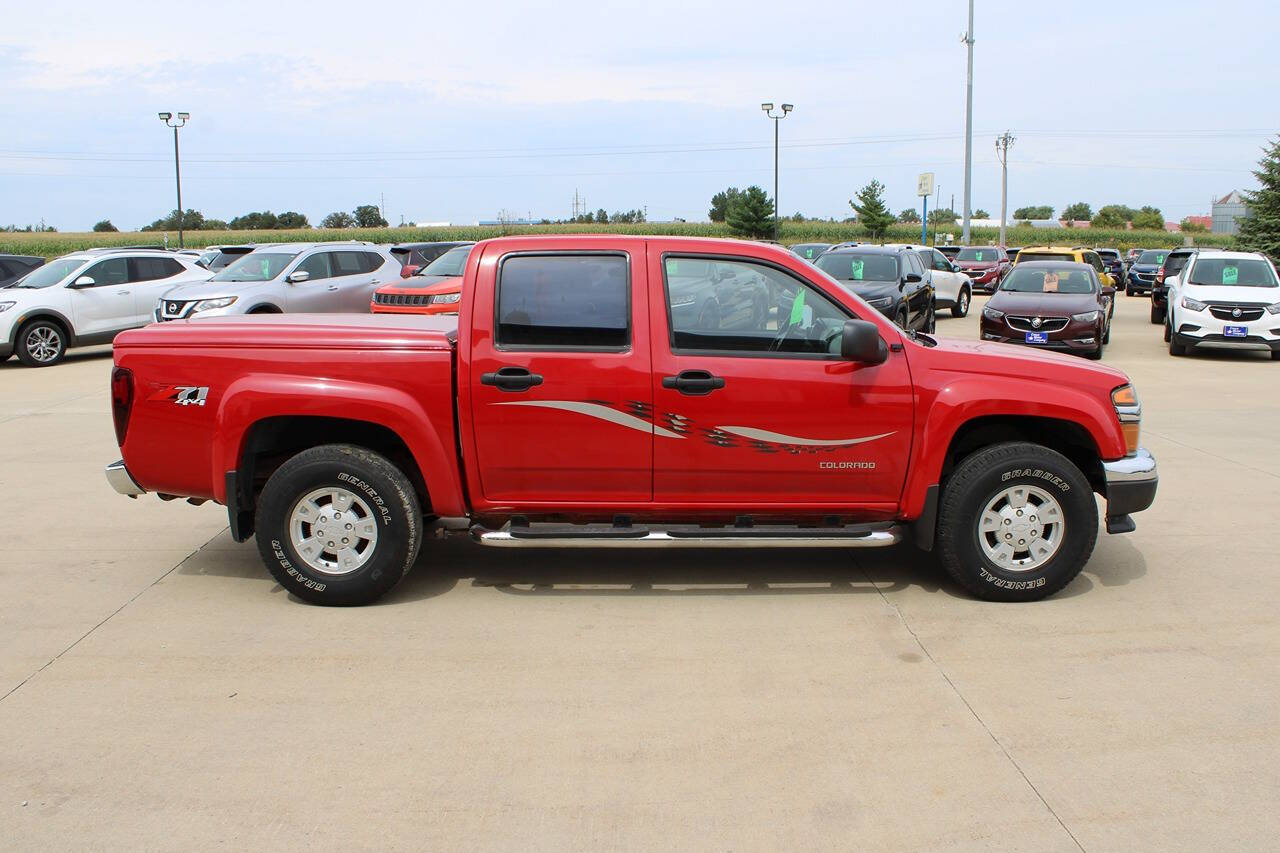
<point x="890" y="279"/>
<point x="1114" y="262"/>
<point x="1173" y="265"/>
<point x="415" y="256"/>
<point x="14" y="267"/>
<point x="810" y="251"/>
<point x="216" y="258"/>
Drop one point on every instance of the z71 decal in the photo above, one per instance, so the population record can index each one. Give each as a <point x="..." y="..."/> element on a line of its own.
<point x="182" y="395"/>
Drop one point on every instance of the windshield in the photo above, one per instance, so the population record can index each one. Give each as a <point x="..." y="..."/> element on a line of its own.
<point x="809" y="251"/>
<point x="1237" y="272"/>
<point x="451" y="262"/>
<point x="52" y="272"/>
<point x="1048" y="280"/>
<point x="849" y="266"/>
<point x="980" y="255"/>
<point x="1153" y="258"/>
<point x="256" y="266"/>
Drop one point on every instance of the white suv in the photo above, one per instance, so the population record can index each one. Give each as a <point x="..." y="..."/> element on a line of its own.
<point x="951" y="288"/>
<point x="292" y="277"/>
<point x="86" y="298"/>
<point x="1224" y="299"/>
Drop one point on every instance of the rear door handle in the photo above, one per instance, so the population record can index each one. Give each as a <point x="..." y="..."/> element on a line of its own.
<point x="694" y="383"/>
<point x="333" y="287"/>
<point x="511" y="379"/>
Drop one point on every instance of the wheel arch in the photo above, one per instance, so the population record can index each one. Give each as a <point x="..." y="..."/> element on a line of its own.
<point x="45" y="314"/>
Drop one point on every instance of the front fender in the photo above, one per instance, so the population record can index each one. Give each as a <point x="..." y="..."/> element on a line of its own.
<point x="965" y="399"/>
<point x="251" y="399"/>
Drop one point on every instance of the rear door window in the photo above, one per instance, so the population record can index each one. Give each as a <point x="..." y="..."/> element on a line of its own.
<point x="565" y="301"/>
<point x="348" y="263"/>
<point x="151" y="269"/>
<point x="372" y="261"/>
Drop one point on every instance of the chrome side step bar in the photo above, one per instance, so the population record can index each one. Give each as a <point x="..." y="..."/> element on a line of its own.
<point x="688" y="536"/>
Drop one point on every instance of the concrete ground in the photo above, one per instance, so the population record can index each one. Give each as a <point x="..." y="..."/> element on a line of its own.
<point x="159" y="690"/>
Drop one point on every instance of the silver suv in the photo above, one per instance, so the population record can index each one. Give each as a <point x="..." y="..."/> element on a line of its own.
<point x="287" y="277"/>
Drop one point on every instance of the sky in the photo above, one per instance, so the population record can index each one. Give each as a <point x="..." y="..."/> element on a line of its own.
<point x="454" y="112"/>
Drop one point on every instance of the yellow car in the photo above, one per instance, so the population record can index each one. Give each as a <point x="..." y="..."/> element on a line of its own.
<point x="1080" y="255"/>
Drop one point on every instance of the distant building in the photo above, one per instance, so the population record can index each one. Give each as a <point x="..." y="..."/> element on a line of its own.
<point x="1206" y="221"/>
<point x="1226" y="211"/>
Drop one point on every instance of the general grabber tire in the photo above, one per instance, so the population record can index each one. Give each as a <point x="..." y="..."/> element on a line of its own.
<point x="1012" y="493"/>
<point x="338" y="525"/>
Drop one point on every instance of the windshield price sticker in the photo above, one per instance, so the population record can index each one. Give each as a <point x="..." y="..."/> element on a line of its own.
<point x="1230" y="275"/>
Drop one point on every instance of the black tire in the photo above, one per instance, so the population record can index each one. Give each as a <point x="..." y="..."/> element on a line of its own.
<point x="1175" y="348"/>
<point x="979" y="480"/>
<point x="1094" y="354"/>
<point x="1168" y="330"/>
<point x="385" y="493"/>
<point x="901" y="319"/>
<point x="1106" y="332"/>
<point x="961" y="306"/>
<point x="1157" y="314"/>
<point x="41" y="343"/>
<point x="1275" y="355"/>
<point x="1128" y="290"/>
<point x="931" y="320"/>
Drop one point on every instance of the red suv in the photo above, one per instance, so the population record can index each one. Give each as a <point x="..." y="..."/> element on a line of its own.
<point x="986" y="266"/>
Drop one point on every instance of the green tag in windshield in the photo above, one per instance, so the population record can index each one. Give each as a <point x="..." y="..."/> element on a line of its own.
<point x="1230" y="275"/>
<point x="808" y="253"/>
<point x="797" y="309"/>
<point x="855" y="269"/>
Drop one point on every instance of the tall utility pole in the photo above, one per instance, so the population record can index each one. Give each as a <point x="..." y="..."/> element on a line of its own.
<point x="968" y="130"/>
<point x="768" y="110"/>
<point x="180" y="121"/>
<point x="1002" y="151"/>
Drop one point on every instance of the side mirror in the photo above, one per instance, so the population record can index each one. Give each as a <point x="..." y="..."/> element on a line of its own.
<point x="1109" y="291"/>
<point x="298" y="276"/>
<point x="84" y="281"/>
<point x="407" y="270"/>
<point x="860" y="341"/>
<point x="914" y="278"/>
<point x="954" y="267"/>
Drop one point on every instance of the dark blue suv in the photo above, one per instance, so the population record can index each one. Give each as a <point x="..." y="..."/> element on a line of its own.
<point x="1142" y="274"/>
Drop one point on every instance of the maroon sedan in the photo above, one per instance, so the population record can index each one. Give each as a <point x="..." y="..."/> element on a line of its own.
<point x="986" y="266"/>
<point x="1050" y="305"/>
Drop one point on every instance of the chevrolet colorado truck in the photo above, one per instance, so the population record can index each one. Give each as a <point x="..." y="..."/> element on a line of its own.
<point x="628" y="392"/>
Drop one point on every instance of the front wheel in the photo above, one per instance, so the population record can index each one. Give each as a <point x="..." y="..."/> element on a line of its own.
<point x="338" y="525"/>
<point x="1017" y="522"/>
<point x="931" y="320"/>
<point x="961" y="306"/>
<point x="41" y="343"/>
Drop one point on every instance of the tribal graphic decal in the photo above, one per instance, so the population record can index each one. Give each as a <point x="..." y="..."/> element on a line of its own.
<point x="639" y="416"/>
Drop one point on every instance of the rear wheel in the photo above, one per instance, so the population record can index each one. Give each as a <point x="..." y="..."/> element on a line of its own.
<point x="1157" y="314"/>
<point x="901" y="319"/>
<point x="338" y="525"/>
<point x="931" y="320"/>
<point x="1128" y="290"/>
<point x="1017" y="522"/>
<point x="41" y="343"/>
<point x="961" y="306"/>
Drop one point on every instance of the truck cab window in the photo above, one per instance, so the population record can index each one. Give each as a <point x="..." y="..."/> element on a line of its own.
<point x="563" y="302"/>
<point x="744" y="307"/>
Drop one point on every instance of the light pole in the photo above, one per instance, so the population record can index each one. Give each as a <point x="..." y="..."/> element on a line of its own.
<point x="968" y="128"/>
<point x="175" y="123"/>
<point x="768" y="110"/>
<point x="1002" y="152"/>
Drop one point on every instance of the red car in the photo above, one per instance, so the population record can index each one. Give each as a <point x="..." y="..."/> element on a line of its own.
<point x="569" y="404"/>
<point x="435" y="289"/>
<point x="986" y="266"/>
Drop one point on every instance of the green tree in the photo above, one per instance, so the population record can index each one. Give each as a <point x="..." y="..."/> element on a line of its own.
<point x="602" y="216"/>
<point x="871" y="210"/>
<point x="1260" y="229"/>
<point x="943" y="216"/>
<point x="105" y="225"/>
<point x="291" y="219"/>
<point x="1035" y="211"/>
<point x="751" y="213"/>
<point x="981" y="214"/>
<point x="1148" y="217"/>
<point x="910" y="216"/>
<point x="1110" y="216"/>
<point x="721" y="202"/>
<point x="1079" y="210"/>
<point x="192" y="220"/>
<point x="338" y="219"/>
<point x="257" y="221"/>
<point x="1190" y="227"/>
<point x="214" y="225"/>
<point x="368" y="216"/>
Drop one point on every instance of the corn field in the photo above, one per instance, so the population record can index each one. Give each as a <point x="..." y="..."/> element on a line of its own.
<point x="51" y="245"/>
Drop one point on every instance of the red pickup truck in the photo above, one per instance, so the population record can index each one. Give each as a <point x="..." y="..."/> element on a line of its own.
<point x="627" y="392"/>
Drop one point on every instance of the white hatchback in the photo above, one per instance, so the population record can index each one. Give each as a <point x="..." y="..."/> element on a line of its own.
<point x="1224" y="299"/>
<point x="87" y="298"/>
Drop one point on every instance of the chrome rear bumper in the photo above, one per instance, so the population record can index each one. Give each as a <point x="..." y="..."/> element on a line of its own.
<point x="122" y="481"/>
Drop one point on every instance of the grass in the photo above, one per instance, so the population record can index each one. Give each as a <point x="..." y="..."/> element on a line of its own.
<point x="51" y="245"/>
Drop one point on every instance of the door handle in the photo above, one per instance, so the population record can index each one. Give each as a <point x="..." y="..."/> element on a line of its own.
<point x="123" y="292"/>
<point x="333" y="287"/>
<point x="694" y="383"/>
<point x="511" y="379"/>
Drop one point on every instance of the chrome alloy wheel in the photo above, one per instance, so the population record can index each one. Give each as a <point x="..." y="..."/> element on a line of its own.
<point x="333" y="531"/>
<point x="1021" y="528"/>
<point x="44" y="343"/>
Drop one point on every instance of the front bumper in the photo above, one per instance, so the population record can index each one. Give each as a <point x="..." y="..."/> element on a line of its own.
<point x="1201" y="327"/>
<point x="1130" y="487"/>
<point x="122" y="481"/>
<point x="1138" y="284"/>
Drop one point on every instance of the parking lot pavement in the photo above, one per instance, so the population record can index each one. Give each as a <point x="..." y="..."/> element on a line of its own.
<point x="159" y="690"/>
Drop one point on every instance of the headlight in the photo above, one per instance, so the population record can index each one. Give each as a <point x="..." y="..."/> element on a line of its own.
<point x="1086" y="317"/>
<point x="1192" y="305"/>
<point x="213" y="304"/>
<point x="444" y="298"/>
<point x="1271" y="309"/>
<point x="992" y="314"/>
<point x="5" y="306"/>
<point x="880" y="302"/>
<point x="683" y="301"/>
